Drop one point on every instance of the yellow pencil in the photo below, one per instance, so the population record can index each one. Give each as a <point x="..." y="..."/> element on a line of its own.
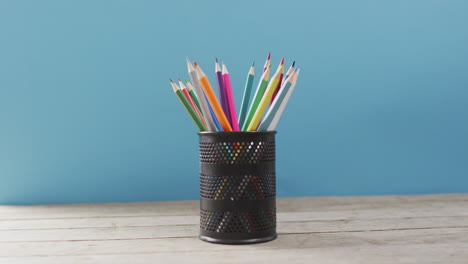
<point x="265" y="100"/>
<point x="211" y="96"/>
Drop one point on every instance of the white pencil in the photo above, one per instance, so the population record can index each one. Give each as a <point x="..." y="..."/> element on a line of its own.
<point x="201" y="97"/>
<point x="277" y="117"/>
<point x="275" y="105"/>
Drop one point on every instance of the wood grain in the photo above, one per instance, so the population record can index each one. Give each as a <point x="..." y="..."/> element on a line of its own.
<point x="378" y="229"/>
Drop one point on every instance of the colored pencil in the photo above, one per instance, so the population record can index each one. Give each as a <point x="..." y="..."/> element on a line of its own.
<point x="279" y="84"/>
<point x="284" y="102"/>
<point x="222" y="90"/>
<point x="192" y="94"/>
<point x="260" y="112"/>
<point x="211" y="96"/>
<point x="215" y="120"/>
<point x="290" y="70"/>
<point x="265" y="99"/>
<point x="197" y="102"/>
<point x="190" y="100"/>
<point x="201" y="97"/>
<point x="267" y="63"/>
<point x="246" y="96"/>
<point x="187" y="106"/>
<point x="273" y="110"/>
<point x="230" y="99"/>
<point x="257" y="97"/>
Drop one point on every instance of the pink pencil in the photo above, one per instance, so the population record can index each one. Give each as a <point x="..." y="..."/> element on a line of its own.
<point x="230" y="99"/>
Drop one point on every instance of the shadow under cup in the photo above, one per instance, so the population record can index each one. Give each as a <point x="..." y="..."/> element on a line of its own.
<point x="237" y="187"/>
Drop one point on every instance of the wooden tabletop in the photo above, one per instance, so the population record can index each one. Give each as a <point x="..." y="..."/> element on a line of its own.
<point x="377" y="229"/>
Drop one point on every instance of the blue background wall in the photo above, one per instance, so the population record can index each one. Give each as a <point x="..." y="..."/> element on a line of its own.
<point x="87" y="114"/>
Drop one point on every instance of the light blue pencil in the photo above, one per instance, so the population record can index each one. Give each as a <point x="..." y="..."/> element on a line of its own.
<point x="246" y="97"/>
<point x="277" y="107"/>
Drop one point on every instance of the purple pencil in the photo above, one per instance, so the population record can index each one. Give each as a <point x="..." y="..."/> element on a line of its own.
<point x="222" y="90"/>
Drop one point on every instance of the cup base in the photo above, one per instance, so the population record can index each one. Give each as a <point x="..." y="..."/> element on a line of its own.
<point x="238" y="241"/>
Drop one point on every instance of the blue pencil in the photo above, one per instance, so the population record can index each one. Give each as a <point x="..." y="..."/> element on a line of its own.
<point x="290" y="70"/>
<point x="215" y="120"/>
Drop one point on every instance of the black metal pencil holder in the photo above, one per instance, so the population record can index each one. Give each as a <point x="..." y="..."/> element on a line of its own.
<point x="237" y="187"/>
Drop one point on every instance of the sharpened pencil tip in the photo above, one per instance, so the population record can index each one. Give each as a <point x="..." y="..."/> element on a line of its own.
<point x="253" y="64"/>
<point x="216" y="59"/>
<point x="297" y="74"/>
<point x="186" y="81"/>
<point x="294" y="63"/>
<point x="217" y="68"/>
<point x="195" y="63"/>
<point x="269" y="54"/>
<point x="181" y="84"/>
<point x="282" y="61"/>
<point x="170" y="80"/>
<point x="189" y="65"/>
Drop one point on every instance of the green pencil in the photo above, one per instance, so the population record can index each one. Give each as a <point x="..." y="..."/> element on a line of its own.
<point x="187" y="106"/>
<point x="246" y="97"/>
<point x="257" y="97"/>
<point x="193" y="95"/>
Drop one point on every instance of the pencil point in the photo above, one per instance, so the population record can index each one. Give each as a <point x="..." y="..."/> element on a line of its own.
<point x="170" y="80"/>
<point x="179" y="80"/>
<point x="282" y="61"/>
<point x="216" y="59"/>
<point x="269" y="54"/>
<point x="186" y="81"/>
<point x="200" y="73"/>
<point x="297" y="74"/>
<point x="217" y="68"/>
<point x="182" y="86"/>
<point x="252" y="69"/>
<point x="294" y="63"/>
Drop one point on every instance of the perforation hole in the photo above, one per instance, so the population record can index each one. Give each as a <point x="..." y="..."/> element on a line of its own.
<point x="237" y="187"/>
<point x="238" y="222"/>
<point x="237" y="152"/>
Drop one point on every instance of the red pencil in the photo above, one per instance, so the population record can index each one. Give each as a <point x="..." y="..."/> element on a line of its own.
<point x="192" y="103"/>
<point x="279" y="83"/>
<point x="267" y="63"/>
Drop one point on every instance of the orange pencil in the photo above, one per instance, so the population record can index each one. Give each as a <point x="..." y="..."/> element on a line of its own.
<point x="211" y="96"/>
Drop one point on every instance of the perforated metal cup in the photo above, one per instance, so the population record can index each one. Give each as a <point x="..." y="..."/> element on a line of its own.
<point x="237" y="187"/>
